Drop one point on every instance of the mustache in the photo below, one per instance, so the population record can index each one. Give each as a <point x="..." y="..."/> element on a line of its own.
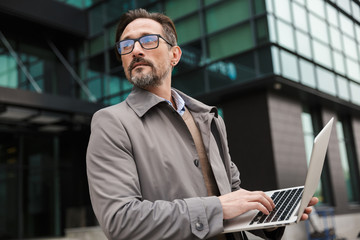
<point x="137" y="60"/>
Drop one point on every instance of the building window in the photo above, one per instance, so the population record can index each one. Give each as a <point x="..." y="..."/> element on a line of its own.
<point x="175" y="9"/>
<point x="8" y="70"/>
<point x="310" y="124"/>
<point x="226" y="43"/>
<point x="348" y="159"/>
<point x="188" y="29"/>
<point x="226" y="14"/>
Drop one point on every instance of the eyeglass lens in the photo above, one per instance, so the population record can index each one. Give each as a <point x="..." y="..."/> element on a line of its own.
<point x="146" y="42"/>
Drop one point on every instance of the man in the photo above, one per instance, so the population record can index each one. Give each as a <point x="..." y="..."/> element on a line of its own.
<point x="158" y="163"/>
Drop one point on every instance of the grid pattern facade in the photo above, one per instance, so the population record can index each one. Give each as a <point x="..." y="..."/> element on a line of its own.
<point x="223" y="43"/>
<point x="313" y="44"/>
<point x="318" y="44"/>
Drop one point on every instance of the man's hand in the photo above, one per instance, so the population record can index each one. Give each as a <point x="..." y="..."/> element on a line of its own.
<point x="308" y="210"/>
<point x="241" y="201"/>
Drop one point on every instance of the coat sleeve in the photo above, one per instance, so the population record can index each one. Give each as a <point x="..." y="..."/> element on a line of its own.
<point x="116" y="198"/>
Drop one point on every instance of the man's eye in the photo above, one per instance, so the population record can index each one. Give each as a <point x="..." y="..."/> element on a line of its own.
<point x="126" y="45"/>
<point x="146" y="40"/>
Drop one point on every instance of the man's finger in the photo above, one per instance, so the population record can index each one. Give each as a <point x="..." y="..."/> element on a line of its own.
<point x="313" y="201"/>
<point x="263" y="199"/>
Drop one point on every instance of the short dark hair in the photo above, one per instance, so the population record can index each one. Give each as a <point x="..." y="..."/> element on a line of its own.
<point x="131" y="15"/>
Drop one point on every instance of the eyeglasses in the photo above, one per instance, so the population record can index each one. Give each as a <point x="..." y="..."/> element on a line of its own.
<point x="147" y="42"/>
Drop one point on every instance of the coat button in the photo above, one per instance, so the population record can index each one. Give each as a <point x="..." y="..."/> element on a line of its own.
<point x="196" y="162"/>
<point x="199" y="226"/>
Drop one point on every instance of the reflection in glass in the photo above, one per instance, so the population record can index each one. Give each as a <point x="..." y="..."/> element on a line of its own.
<point x="272" y="28"/>
<point x="318" y="28"/>
<point x="188" y="29"/>
<point x="8" y="72"/>
<point x="307" y="72"/>
<point x="225" y="14"/>
<point x="96" y="20"/>
<point x="262" y="33"/>
<point x="111" y="85"/>
<point x="302" y="2"/>
<point x="348" y="160"/>
<point x="309" y="135"/>
<point x="234" y="70"/>
<point x="259" y="6"/>
<point x="230" y="42"/>
<point x="289" y="66"/>
<point x="355" y="93"/>
<point x="355" y="10"/>
<point x="37" y="69"/>
<point x="125" y="84"/>
<point x="208" y="2"/>
<point x="114" y="8"/>
<point x="95" y="88"/>
<point x="286" y="35"/>
<point x="332" y="15"/>
<point x="265" y="61"/>
<point x="339" y="62"/>
<point x="191" y="58"/>
<point x="269" y="6"/>
<point x="192" y="83"/>
<point x="346" y="25"/>
<point x="317" y="7"/>
<point x="175" y="9"/>
<point x="96" y="45"/>
<point x="350" y="48"/>
<point x="343" y="88"/>
<point x="275" y="60"/>
<point x="326" y="81"/>
<point x="322" y="54"/>
<point x="357" y="30"/>
<point x="345" y="5"/>
<point x="282" y="10"/>
<point x="303" y="44"/>
<point x="335" y="38"/>
<point x="300" y="19"/>
<point x="113" y="100"/>
<point x="111" y="33"/>
<point x="308" y="131"/>
<point x="353" y="69"/>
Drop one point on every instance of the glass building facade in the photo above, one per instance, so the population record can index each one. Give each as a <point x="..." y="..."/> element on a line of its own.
<point x="258" y="60"/>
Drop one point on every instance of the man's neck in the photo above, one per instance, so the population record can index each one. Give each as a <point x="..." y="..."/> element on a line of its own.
<point x="163" y="91"/>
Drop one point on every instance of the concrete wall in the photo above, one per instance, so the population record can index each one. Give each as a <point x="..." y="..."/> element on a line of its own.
<point x="288" y="140"/>
<point x="356" y="132"/>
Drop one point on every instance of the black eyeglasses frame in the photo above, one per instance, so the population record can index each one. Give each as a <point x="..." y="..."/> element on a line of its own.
<point x="117" y="44"/>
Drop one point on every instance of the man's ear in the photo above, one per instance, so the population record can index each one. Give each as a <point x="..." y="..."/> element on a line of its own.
<point x="176" y="55"/>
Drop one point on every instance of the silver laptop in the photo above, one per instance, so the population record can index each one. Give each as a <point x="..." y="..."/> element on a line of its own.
<point x="290" y="203"/>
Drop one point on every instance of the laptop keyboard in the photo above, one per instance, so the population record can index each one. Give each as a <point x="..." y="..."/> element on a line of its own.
<point x="285" y="203"/>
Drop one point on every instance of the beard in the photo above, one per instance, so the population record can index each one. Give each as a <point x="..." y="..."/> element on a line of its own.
<point x="145" y="80"/>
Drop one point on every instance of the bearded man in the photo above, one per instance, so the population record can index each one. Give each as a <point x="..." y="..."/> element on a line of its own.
<point x="158" y="163"/>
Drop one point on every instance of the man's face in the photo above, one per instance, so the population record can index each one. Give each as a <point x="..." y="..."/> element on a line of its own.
<point x="146" y="68"/>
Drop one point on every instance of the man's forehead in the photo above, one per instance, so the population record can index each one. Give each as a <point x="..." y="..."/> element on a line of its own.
<point x="140" y="27"/>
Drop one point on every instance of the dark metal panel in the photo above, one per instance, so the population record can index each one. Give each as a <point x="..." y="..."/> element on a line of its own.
<point x="249" y="139"/>
<point x="43" y="101"/>
<point x="49" y="13"/>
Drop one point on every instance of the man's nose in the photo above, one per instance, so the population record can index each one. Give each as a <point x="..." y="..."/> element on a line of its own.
<point x="138" y="50"/>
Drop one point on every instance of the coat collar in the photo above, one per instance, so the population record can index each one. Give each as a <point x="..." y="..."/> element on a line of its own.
<point x="142" y="101"/>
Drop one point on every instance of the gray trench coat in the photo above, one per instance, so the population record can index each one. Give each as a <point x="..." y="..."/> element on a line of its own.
<point x="143" y="172"/>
